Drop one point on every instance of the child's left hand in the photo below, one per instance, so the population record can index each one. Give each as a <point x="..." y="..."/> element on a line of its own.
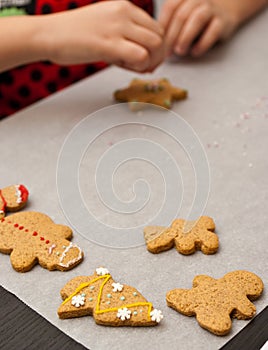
<point x="192" y="27"/>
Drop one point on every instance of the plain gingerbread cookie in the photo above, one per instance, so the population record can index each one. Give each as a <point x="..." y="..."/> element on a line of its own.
<point x="158" y="92"/>
<point x="31" y="238"/>
<point x="215" y="301"/>
<point x="187" y="236"/>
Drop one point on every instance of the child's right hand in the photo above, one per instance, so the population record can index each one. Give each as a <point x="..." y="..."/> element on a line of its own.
<point x="117" y="32"/>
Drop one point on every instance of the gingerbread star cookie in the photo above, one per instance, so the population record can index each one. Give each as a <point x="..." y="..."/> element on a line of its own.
<point x="159" y="92"/>
<point x="12" y="198"/>
<point x="187" y="236"/>
<point x="215" y="301"/>
<point x="31" y="238"/>
<point x="109" y="302"/>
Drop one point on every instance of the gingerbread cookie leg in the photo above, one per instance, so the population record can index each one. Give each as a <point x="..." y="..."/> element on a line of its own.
<point x="159" y="238"/>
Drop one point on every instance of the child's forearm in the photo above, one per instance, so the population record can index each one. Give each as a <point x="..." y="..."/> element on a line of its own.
<point x="242" y="9"/>
<point x="20" y="41"/>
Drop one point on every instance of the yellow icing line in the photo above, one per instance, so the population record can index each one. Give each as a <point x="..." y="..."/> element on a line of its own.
<point x="98" y="311"/>
<point x="127" y="305"/>
<point x="82" y="286"/>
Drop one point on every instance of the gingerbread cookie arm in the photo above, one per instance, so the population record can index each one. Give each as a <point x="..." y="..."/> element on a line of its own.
<point x="63" y="231"/>
<point x="180" y="300"/>
<point x="207" y="222"/>
<point x="164" y="238"/>
<point x="21" y="260"/>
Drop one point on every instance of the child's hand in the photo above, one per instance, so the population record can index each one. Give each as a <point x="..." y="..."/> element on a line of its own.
<point x="117" y="32"/>
<point x="192" y="27"/>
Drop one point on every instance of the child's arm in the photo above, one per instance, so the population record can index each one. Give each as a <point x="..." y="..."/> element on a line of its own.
<point x="117" y="32"/>
<point x="194" y="26"/>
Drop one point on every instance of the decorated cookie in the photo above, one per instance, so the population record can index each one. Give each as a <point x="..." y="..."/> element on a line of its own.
<point x="187" y="236"/>
<point x="110" y="302"/>
<point x="215" y="301"/>
<point x="12" y="198"/>
<point x="31" y="238"/>
<point x="159" y="92"/>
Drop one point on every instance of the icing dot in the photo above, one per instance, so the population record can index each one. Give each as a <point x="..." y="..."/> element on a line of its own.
<point x="135" y="313"/>
<point x="109" y="295"/>
<point x="58" y="253"/>
<point x="167" y="103"/>
<point x="92" y="287"/>
<point x="47" y="241"/>
<point x="135" y="294"/>
<point x="35" y="233"/>
<point x="83" y="294"/>
<point x="122" y="298"/>
<point x="26" y="230"/>
<point x="90" y="299"/>
<point x="141" y="310"/>
<point x="108" y="302"/>
<point x="21" y="227"/>
<point x="2" y="220"/>
<point x="42" y="238"/>
<point x="16" y="225"/>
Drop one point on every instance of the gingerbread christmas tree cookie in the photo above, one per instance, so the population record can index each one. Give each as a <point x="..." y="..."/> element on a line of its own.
<point x="159" y="92"/>
<point x="31" y="238"/>
<point x="12" y="198"/>
<point x="215" y="301"/>
<point x="187" y="236"/>
<point x="109" y="302"/>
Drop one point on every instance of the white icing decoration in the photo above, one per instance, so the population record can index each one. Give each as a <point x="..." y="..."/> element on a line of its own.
<point x="18" y="194"/>
<point x="50" y="249"/>
<point x="1" y="211"/>
<point x="123" y="314"/>
<point x="71" y="262"/>
<point x="78" y="300"/>
<point x="117" y="287"/>
<point x="156" y="315"/>
<point x="101" y="271"/>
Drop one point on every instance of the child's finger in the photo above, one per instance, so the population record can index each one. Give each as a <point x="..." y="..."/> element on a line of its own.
<point x="131" y="56"/>
<point x="178" y="20"/>
<point x="211" y="35"/>
<point x="196" y="23"/>
<point x="141" y="18"/>
<point x="167" y="11"/>
<point x="144" y="37"/>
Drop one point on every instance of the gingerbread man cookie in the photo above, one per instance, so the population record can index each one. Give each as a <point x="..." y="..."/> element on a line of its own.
<point x="110" y="303"/>
<point x="187" y="236"/>
<point x="12" y="198"/>
<point x="159" y="92"/>
<point x="215" y="301"/>
<point x="32" y="237"/>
